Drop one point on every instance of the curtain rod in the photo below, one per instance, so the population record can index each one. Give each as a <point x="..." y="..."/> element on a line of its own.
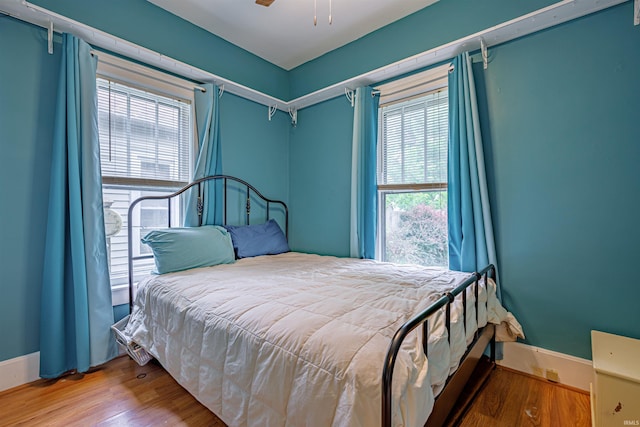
<point x="34" y="14"/>
<point x="555" y="14"/>
<point x="140" y="70"/>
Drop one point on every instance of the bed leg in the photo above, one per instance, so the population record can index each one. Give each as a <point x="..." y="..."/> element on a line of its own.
<point x="492" y="348"/>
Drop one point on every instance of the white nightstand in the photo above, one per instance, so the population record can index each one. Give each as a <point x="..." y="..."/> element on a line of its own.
<point x="615" y="395"/>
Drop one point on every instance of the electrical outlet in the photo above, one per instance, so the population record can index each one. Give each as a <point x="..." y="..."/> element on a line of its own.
<point x="552" y="375"/>
<point x="538" y="371"/>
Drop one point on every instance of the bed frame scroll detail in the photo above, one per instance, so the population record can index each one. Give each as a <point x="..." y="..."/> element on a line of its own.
<point x="239" y="185"/>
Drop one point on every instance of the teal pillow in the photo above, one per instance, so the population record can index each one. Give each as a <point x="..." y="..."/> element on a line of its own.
<point x="176" y="249"/>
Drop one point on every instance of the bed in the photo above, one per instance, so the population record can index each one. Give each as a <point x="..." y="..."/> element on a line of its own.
<point x="298" y="339"/>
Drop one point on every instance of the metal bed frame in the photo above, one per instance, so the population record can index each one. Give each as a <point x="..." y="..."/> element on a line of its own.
<point x="454" y="385"/>
<point x="455" y="382"/>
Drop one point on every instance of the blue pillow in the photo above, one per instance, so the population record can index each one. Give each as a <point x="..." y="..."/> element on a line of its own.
<point x="254" y="240"/>
<point x="178" y="249"/>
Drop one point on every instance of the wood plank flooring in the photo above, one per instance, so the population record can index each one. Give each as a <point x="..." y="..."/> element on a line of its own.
<point x="121" y="393"/>
<point x="510" y="398"/>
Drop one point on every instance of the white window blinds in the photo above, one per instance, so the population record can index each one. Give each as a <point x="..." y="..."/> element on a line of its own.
<point x="144" y="137"/>
<point x="414" y="138"/>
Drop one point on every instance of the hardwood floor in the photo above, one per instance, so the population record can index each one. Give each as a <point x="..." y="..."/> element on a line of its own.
<point x="510" y="399"/>
<point x="121" y="393"/>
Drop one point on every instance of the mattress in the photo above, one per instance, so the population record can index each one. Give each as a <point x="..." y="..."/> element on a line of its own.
<point x="299" y="340"/>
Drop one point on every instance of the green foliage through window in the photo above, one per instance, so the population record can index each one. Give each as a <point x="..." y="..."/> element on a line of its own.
<point x="416" y="228"/>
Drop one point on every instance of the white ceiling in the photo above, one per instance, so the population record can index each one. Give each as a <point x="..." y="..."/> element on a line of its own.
<point x="283" y="33"/>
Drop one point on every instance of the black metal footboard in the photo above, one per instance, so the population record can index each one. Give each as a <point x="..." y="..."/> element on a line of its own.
<point x="422" y="319"/>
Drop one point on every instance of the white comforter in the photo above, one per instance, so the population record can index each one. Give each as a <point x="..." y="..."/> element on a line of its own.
<point x="299" y="340"/>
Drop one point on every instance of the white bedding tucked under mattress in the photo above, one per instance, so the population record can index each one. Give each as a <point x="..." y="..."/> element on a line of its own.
<point x="299" y="340"/>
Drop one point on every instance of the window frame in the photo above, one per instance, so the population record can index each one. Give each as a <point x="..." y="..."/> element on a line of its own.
<point x="403" y="90"/>
<point x="147" y="79"/>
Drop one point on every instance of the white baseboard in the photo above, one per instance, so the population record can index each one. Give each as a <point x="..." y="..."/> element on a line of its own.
<point x="571" y="371"/>
<point x="19" y="370"/>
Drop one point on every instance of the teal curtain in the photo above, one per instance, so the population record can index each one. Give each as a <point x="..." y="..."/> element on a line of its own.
<point x="76" y="312"/>
<point x="364" y="191"/>
<point x="209" y="158"/>
<point x="471" y="244"/>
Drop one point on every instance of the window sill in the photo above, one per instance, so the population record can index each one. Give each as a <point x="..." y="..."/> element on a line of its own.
<point x="119" y="295"/>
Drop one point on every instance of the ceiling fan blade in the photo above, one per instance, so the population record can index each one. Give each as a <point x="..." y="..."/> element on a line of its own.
<point x="266" y="3"/>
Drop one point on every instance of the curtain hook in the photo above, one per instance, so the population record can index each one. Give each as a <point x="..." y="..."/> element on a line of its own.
<point x="351" y="95"/>
<point x="293" y="113"/>
<point x="50" y="38"/>
<point x="485" y="54"/>
<point x="272" y="111"/>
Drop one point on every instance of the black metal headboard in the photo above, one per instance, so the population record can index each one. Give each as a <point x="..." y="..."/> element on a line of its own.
<point x="240" y="186"/>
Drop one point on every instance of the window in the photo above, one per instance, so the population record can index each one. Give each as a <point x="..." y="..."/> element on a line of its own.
<point x="412" y="173"/>
<point x="145" y="149"/>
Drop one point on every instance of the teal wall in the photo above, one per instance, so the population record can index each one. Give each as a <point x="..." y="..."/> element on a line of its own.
<point x="120" y="311"/>
<point x="254" y="148"/>
<point x="320" y="187"/>
<point x="28" y="82"/>
<point x="559" y="113"/>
